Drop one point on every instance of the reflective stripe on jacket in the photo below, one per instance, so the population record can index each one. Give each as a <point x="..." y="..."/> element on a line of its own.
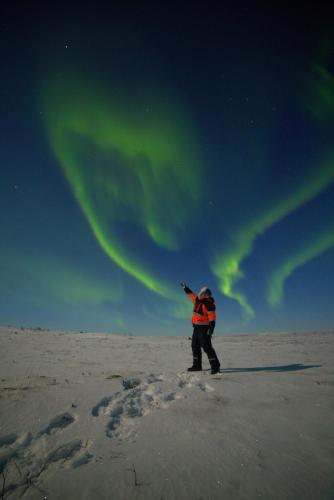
<point x="204" y="309"/>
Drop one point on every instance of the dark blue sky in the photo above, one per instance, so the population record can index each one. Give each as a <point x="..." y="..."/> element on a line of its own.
<point x="141" y="147"/>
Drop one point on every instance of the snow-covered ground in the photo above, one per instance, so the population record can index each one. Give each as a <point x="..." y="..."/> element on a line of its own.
<point x="101" y="416"/>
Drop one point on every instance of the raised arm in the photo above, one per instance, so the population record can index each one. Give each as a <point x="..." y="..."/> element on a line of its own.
<point x="192" y="296"/>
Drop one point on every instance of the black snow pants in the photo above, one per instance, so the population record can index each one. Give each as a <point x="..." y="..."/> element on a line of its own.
<point x="202" y="339"/>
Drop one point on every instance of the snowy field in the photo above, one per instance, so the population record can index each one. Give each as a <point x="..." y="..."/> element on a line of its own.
<point x="101" y="416"/>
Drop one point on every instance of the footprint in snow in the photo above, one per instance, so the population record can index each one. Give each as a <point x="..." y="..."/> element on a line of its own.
<point x="22" y="457"/>
<point x="141" y="397"/>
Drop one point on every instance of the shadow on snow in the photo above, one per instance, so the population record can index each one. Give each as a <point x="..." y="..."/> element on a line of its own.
<point x="283" y="368"/>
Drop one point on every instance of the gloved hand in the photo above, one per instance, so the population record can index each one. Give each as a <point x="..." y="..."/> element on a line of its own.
<point x="183" y="284"/>
<point x="212" y="325"/>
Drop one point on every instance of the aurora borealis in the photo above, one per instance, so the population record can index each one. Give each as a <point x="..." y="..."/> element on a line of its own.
<point x="145" y="168"/>
<point x="146" y="148"/>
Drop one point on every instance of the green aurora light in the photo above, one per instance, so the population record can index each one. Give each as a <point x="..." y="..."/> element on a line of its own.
<point x="227" y="265"/>
<point x="277" y="279"/>
<point x="321" y="100"/>
<point x="322" y="108"/>
<point x="149" y="173"/>
<point x="59" y="279"/>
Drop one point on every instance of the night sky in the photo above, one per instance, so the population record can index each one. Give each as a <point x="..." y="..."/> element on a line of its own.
<point x="144" y="146"/>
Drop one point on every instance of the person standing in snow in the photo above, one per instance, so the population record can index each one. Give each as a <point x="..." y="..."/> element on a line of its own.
<point x="204" y="322"/>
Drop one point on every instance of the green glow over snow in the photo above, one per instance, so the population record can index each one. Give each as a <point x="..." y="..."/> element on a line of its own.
<point x="57" y="278"/>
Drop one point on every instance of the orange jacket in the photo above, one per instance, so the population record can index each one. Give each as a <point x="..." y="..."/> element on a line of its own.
<point x="204" y="311"/>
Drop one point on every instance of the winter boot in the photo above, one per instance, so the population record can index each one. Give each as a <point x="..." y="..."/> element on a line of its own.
<point x="195" y="368"/>
<point x="215" y="367"/>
